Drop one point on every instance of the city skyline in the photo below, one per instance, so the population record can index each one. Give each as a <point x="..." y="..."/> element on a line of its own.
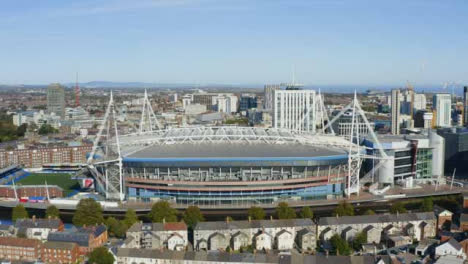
<point x="235" y="42"/>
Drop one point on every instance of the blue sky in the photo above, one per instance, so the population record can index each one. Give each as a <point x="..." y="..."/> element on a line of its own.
<point x="353" y="42"/>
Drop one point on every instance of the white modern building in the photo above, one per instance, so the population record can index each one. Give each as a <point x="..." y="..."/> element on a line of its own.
<point x="442" y="104"/>
<point x="294" y="109"/>
<point x="417" y="158"/>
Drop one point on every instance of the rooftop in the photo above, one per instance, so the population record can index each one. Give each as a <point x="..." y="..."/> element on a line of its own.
<point x="176" y="226"/>
<point x="39" y="223"/>
<point x="230" y="150"/>
<point x="60" y="245"/>
<point x="224" y="257"/>
<point x="19" y="242"/>
<point x="246" y="224"/>
<point x="378" y="218"/>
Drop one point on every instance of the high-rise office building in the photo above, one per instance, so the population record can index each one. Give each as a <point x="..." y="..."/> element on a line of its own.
<point x="465" y="106"/>
<point x="395" y="111"/>
<point x="269" y="93"/>
<point x="294" y="109"/>
<point x="442" y="103"/>
<point x="56" y="100"/>
<point x="247" y="101"/>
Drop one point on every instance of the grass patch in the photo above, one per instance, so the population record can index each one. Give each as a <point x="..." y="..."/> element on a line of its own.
<point x="61" y="179"/>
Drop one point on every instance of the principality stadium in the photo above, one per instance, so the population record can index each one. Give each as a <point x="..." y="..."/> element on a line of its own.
<point x="203" y="165"/>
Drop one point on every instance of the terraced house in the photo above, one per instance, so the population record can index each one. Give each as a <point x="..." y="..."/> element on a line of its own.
<point x="379" y="228"/>
<point x="261" y="234"/>
<point x="171" y="236"/>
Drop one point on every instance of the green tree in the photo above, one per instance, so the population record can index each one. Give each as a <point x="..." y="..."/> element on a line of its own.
<point x="19" y="212"/>
<point x="398" y="207"/>
<point x="88" y="212"/>
<point x="359" y="239"/>
<point x="306" y="212"/>
<point x="344" y="209"/>
<point x="21" y="130"/>
<point x="100" y="255"/>
<point x="8" y="130"/>
<point x="427" y="205"/>
<point x="192" y="216"/>
<point x="283" y="211"/>
<point x="130" y="218"/>
<point x="116" y="228"/>
<point x="163" y="210"/>
<point x="52" y="211"/>
<point x="256" y="213"/>
<point x="340" y="246"/>
<point x="47" y="129"/>
<point x="369" y="212"/>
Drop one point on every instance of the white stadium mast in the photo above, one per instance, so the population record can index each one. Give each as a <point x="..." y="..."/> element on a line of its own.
<point x="148" y="121"/>
<point x="109" y="178"/>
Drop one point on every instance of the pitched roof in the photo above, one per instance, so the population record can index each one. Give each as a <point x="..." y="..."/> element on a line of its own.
<point x="6" y="227"/>
<point x="60" y="245"/>
<point x="245" y="224"/>
<point x="438" y="210"/>
<point x="173" y="226"/>
<point x="378" y="218"/>
<point x="201" y="256"/>
<point x="452" y="242"/>
<point x="218" y="256"/>
<point x="39" y="223"/>
<point x="19" y="242"/>
<point x="95" y="230"/>
<point x="82" y="239"/>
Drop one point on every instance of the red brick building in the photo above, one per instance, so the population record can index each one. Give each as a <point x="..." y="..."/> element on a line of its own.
<point x="87" y="238"/>
<point x="12" y="248"/>
<point x="35" y="158"/>
<point x="60" y="252"/>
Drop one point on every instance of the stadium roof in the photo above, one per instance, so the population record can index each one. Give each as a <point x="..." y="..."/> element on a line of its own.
<point x="230" y="150"/>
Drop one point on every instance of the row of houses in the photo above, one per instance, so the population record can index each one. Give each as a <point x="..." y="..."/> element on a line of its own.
<point x="302" y="234"/>
<point x="47" y="239"/>
<point x="393" y="229"/>
<point x="132" y="255"/>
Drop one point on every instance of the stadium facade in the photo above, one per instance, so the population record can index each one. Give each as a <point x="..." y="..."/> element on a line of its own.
<point x="238" y="172"/>
<point x="204" y="165"/>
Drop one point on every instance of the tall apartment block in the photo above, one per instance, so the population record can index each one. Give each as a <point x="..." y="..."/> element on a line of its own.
<point x="395" y="111"/>
<point x="294" y="109"/>
<point x="56" y="100"/>
<point x="442" y="104"/>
